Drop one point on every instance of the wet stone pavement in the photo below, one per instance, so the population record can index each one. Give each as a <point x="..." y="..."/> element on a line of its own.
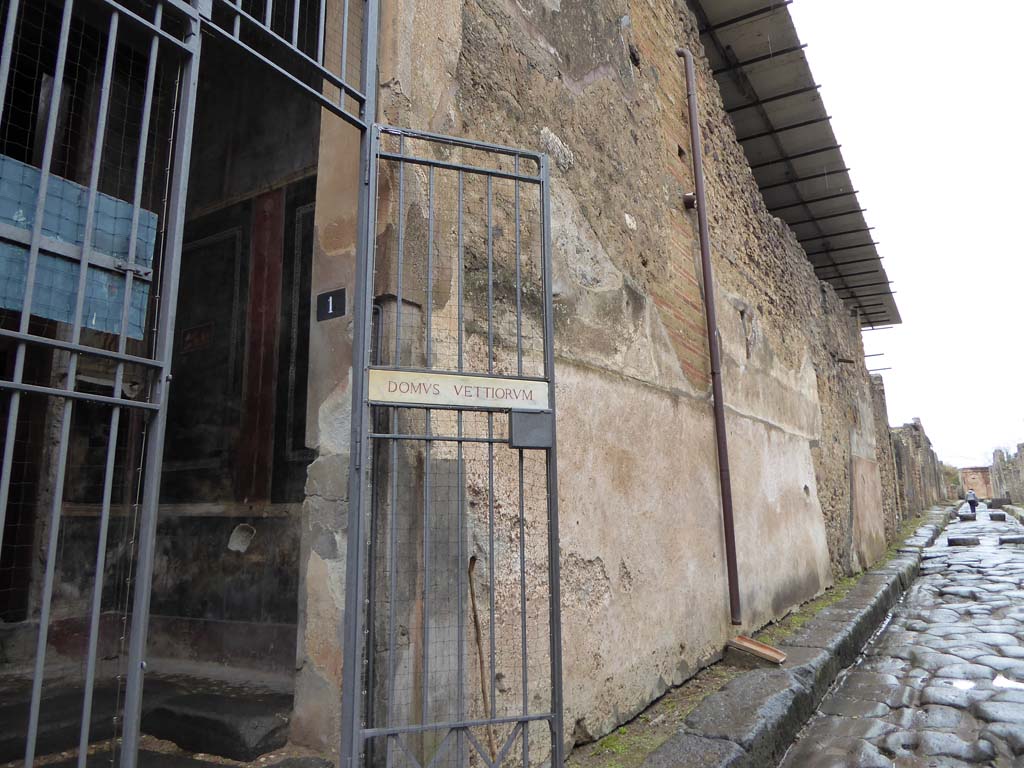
<point x="943" y="683"/>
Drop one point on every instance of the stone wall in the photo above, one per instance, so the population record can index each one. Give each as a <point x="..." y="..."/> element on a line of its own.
<point x="1008" y="473"/>
<point x="597" y="85"/>
<point x="893" y="514"/>
<point x="919" y="482"/>
<point x="978" y="478"/>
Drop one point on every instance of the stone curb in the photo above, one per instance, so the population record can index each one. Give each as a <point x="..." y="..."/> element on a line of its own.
<point x="754" y="718"/>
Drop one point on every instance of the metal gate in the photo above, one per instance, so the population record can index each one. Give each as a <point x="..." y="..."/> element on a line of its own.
<point x="97" y="104"/>
<point x="452" y="640"/>
<point x="453" y="647"/>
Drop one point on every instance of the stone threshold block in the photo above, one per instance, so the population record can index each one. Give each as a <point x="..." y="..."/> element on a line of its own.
<point x="963" y="541"/>
<point x="967" y="517"/>
<point x="1014" y="539"/>
<point x="997" y="516"/>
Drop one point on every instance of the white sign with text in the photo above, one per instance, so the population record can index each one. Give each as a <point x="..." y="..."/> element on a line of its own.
<point x="447" y="389"/>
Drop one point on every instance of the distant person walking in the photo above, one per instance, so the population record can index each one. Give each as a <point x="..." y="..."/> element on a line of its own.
<point x="972" y="499"/>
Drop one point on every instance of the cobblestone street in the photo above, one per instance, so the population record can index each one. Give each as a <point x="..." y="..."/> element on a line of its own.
<point x="943" y="683"/>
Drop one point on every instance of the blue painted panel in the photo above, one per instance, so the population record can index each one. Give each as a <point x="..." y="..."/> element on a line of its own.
<point x="57" y="278"/>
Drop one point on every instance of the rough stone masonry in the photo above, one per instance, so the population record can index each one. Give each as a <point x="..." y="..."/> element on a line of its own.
<point x="597" y="86"/>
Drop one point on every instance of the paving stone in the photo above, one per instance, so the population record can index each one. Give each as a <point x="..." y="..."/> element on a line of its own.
<point x="947" y="696"/>
<point x="900" y="743"/>
<point x="943" y="744"/>
<point x="846" y="706"/>
<point x="967" y="672"/>
<point x="1000" y="712"/>
<point x="963" y="541"/>
<point x="936" y="716"/>
<point x="941" y="668"/>
<point x="1011" y="735"/>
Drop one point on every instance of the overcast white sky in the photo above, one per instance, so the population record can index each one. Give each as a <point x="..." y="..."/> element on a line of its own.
<point x="928" y="109"/>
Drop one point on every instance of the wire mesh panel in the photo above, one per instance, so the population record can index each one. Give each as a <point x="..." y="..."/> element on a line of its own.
<point x="460" y="634"/>
<point x="94" y="136"/>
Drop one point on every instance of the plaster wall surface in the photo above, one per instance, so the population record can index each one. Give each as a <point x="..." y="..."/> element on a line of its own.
<point x="598" y="87"/>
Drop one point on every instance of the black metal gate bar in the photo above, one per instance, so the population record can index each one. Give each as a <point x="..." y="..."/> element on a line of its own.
<point x="374" y="709"/>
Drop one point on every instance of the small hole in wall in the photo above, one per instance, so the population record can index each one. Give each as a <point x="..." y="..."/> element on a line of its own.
<point x="807" y="491"/>
<point x="680" y="151"/>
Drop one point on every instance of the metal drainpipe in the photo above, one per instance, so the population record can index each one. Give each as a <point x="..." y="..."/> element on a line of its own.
<point x="698" y="200"/>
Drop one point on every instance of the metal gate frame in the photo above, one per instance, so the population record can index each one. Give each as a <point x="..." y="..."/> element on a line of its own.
<point x="356" y="105"/>
<point x="357" y="601"/>
<point x="158" y="364"/>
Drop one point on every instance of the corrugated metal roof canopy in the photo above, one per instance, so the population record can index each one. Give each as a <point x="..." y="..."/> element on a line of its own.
<point x="781" y="122"/>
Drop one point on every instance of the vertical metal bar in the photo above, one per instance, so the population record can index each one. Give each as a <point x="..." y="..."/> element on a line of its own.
<point x="108" y="478"/>
<point x="430" y="264"/>
<point x="427" y="447"/>
<point x="460" y="696"/>
<point x="115" y="416"/>
<point x="519" y="301"/>
<point x="490" y="449"/>
<point x="554" y="564"/>
<point x="158" y="426"/>
<point x="236" y="27"/>
<point x="460" y="474"/>
<point x="490" y="276"/>
<point x="44" y="612"/>
<point x="426" y="574"/>
<point x="295" y="24"/>
<point x="33" y="258"/>
<point x="358" y="527"/>
<point x="268" y="14"/>
<point x="66" y="415"/>
<point x="522" y="609"/>
<point x="97" y="590"/>
<point x="344" y="49"/>
<point x="401" y="254"/>
<point x="392" y="576"/>
<point x="8" y="51"/>
<point x="397" y="361"/>
<point x="65" y="434"/>
<point x="321" y="26"/>
<point x="140" y="168"/>
<point x="462" y="275"/>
